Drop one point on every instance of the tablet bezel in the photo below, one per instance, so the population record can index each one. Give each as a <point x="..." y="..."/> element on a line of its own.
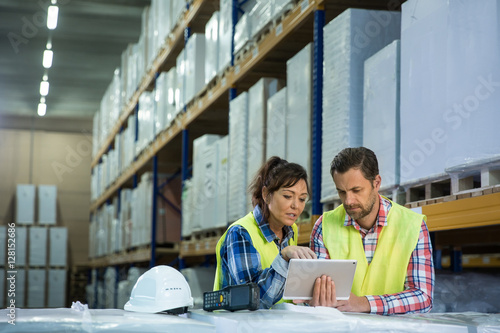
<point x="303" y="272"/>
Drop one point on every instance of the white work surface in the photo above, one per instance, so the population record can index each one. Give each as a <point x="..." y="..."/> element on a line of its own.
<point x="287" y="318"/>
<point x="107" y="320"/>
<point x="290" y="318"/>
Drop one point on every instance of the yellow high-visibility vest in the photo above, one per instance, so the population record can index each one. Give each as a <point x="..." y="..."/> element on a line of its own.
<point x="386" y="273"/>
<point x="267" y="250"/>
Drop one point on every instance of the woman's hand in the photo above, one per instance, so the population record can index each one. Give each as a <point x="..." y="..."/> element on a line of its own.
<point x="297" y="252"/>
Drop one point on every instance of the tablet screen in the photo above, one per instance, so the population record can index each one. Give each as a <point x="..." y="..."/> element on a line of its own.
<point x="303" y="272"/>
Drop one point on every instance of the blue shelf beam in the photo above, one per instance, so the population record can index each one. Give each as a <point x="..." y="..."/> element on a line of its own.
<point x="319" y="23"/>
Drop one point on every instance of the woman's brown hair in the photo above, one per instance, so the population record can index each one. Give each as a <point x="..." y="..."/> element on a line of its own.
<point x="275" y="174"/>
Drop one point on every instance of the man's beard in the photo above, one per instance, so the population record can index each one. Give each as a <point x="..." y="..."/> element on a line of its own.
<point x="365" y="210"/>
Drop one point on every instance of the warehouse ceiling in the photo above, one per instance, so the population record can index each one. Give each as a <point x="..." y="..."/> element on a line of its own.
<point x="87" y="44"/>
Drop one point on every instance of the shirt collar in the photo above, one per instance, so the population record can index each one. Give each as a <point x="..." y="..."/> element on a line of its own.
<point x="384" y="207"/>
<point x="266" y="230"/>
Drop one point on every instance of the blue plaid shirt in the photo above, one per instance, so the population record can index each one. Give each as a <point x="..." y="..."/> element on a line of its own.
<point x="241" y="262"/>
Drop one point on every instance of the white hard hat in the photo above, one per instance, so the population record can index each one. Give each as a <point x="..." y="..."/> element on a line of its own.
<point x="162" y="288"/>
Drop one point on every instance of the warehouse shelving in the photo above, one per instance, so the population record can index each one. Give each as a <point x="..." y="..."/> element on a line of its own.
<point x="208" y="113"/>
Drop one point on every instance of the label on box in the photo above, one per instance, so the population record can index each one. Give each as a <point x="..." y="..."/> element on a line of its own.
<point x="255" y="52"/>
<point x="304" y="5"/>
<point x="279" y="29"/>
<point x="223" y="82"/>
<point x="237" y="69"/>
<point x="200" y="104"/>
<point x="210" y="94"/>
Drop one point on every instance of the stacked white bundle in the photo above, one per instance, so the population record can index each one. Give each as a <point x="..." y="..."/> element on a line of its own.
<point x="276" y="125"/>
<point x="299" y="108"/>
<point x="96" y="135"/>
<point x="20" y="292"/>
<point x="36" y="288"/>
<point x="57" y="288"/>
<point x="187" y="208"/>
<point x="21" y="245"/>
<point x="178" y="7"/>
<point x="58" y="240"/>
<point x="349" y="39"/>
<point x="238" y="137"/>
<point x="212" y="47"/>
<point x="146" y="123"/>
<point x="25" y="204"/>
<point x="260" y="16"/>
<point x="125" y="217"/>
<point x="37" y="246"/>
<point x="381" y="112"/>
<point x="119" y="154"/>
<point x="160" y="100"/>
<point x="204" y="182"/>
<point x="220" y="218"/>
<point x="109" y="285"/>
<point x="171" y="93"/>
<point x="163" y="20"/>
<point x="242" y="33"/>
<point x="456" y="92"/>
<point x="225" y="33"/>
<point x="195" y="66"/>
<point x="280" y="6"/>
<point x="180" y="87"/>
<point x="258" y="95"/>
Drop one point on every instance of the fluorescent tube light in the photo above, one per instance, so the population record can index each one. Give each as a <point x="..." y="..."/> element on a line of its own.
<point x="52" y="17"/>
<point x="47" y="58"/>
<point x="44" y="88"/>
<point x="42" y="109"/>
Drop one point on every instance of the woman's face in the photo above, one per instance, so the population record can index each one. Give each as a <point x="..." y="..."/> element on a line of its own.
<point x="286" y="204"/>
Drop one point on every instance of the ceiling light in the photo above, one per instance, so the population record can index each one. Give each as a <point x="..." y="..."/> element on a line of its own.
<point x="47" y="58"/>
<point x="42" y="99"/>
<point x="49" y="45"/>
<point x="52" y="17"/>
<point x="44" y="88"/>
<point x="42" y="109"/>
<point x="45" y="77"/>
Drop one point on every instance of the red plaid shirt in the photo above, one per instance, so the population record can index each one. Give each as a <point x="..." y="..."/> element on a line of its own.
<point x="419" y="283"/>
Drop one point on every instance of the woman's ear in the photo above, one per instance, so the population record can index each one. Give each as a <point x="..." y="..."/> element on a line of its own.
<point x="265" y="193"/>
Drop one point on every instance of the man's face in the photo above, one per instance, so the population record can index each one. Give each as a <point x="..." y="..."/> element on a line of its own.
<point x="358" y="194"/>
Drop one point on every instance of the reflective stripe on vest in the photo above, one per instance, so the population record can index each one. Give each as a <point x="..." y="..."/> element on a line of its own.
<point x="267" y="250"/>
<point x="386" y="273"/>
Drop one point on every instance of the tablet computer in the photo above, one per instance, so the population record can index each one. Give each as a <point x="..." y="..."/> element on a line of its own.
<point x="303" y="272"/>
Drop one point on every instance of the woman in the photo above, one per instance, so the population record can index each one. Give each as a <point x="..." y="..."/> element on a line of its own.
<point x="257" y="247"/>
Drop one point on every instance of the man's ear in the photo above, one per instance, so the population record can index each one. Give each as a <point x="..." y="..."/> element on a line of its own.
<point x="377" y="182"/>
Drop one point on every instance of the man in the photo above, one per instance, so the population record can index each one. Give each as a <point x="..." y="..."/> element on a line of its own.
<point x="395" y="272"/>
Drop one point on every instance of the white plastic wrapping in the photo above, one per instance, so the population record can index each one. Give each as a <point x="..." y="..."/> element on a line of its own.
<point x="276" y="125"/>
<point x="222" y="165"/>
<point x="83" y="320"/>
<point x="160" y="99"/>
<point x="200" y="280"/>
<point x="299" y="108"/>
<point x="212" y="47"/>
<point x="180" y="89"/>
<point x="96" y="143"/>
<point x="457" y="92"/>
<point x="260" y="16"/>
<point x="204" y="181"/>
<point x="178" y="8"/>
<point x="258" y="95"/>
<point x="146" y="121"/>
<point x="56" y="295"/>
<point x="25" y="204"/>
<point x="187" y="208"/>
<point x="37" y="246"/>
<point x="110" y="285"/>
<point x="36" y="288"/>
<point x="21" y="245"/>
<point x="195" y="66"/>
<point x="280" y="6"/>
<point x="20" y="296"/>
<point x="2" y="289"/>
<point x="47" y="199"/>
<point x="58" y="240"/>
<point x="349" y="39"/>
<point x="381" y="111"/>
<point x="238" y="137"/>
<point x="242" y="33"/>
<point x="171" y="93"/>
<point x="225" y="33"/>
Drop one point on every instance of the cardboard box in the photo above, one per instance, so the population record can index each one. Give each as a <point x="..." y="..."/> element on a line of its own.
<point x="47" y="204"/>
<point x="56" y="297"/>
<point x="36" y="288"/>
<point x="25" y="204"/>
<point x="58" y="240"/>
<point x="37" y="246"/>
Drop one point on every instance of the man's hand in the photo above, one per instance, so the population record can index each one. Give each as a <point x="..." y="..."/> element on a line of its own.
<point x="324" y="292"/>
<point x="354" y="304"/>
<point x="297" y="252"/>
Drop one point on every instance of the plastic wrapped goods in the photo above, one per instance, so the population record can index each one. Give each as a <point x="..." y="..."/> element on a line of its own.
<point x="349" y="39"/>
<point x="381" y="112"/>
